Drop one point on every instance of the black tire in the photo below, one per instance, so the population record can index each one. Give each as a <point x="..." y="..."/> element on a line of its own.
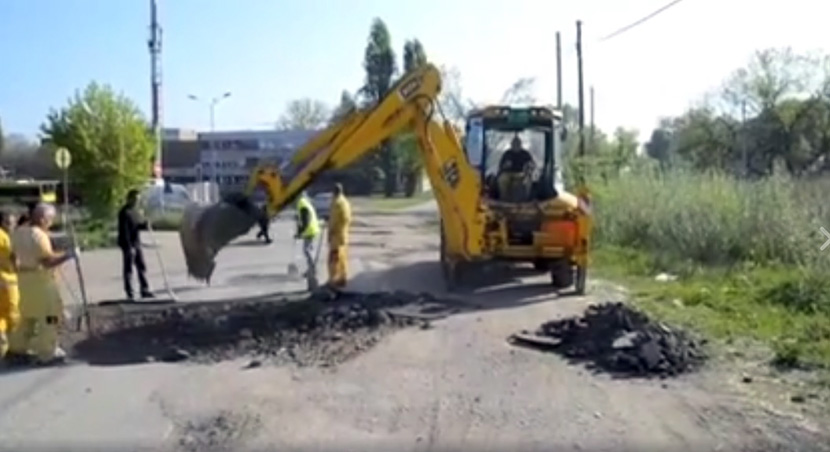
<point x="561" y="274"/>
<point x="581" y="283"/>
<point x="447" y="270"/>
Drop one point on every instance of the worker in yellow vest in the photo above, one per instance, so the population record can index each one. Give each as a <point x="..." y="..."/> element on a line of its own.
<point x="339" y="222"/>
<point x="308" y="228"/>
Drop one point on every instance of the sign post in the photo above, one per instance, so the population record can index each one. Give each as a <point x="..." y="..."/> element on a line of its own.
<point x="63" y="159"/>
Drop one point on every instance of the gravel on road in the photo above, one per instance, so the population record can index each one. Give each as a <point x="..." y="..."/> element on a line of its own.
<point x="618" y="339"/>
<point x="323" y="329"/>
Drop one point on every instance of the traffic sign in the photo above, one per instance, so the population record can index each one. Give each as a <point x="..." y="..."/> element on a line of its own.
<point x="63" y="158"/>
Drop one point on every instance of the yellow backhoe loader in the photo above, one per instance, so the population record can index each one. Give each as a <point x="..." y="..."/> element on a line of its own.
<point x="498" y="194"/>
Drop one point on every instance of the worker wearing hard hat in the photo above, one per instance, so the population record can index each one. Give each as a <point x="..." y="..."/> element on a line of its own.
<point x="308" y="228"/>
<point x="9" y="293"/>
<point x="41" y="307"/>
<point x="340" y="219"/>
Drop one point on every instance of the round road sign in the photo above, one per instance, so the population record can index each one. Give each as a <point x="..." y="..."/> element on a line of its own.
<point x="63" y="158"/>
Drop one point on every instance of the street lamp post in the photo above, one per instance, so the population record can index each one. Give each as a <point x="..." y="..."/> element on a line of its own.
<point x="212" y="108"/>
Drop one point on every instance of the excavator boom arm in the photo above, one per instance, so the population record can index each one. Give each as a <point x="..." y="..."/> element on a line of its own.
<point x="409" y="105"/>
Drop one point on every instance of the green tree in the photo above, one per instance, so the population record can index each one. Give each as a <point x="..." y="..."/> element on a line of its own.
<point x="379" y="64"/>
<point x="111" y="145"/>
<point x="414" y="55"/>
<point x="451" y="99"/>
<point x="406" y="146"/>
<point x="346" y="105"/>
<point x="304" y="114"/>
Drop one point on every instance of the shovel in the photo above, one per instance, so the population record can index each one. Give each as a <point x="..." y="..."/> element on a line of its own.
<point x="293" y="269"/>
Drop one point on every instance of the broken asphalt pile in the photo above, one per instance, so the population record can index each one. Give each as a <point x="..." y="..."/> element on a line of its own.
<point x="324" y="329"/>
<point x="618" y="339"/>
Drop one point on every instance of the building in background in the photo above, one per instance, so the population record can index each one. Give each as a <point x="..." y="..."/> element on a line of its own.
<point x="229" y="157"/>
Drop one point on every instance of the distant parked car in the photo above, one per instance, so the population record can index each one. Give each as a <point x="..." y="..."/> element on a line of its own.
<point x="322" y="204"/>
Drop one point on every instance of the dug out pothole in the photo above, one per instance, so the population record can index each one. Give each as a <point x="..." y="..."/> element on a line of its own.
<point x="324" y="329"/>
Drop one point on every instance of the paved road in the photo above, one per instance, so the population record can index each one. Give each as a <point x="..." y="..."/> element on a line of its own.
<point x="453" y="387"/>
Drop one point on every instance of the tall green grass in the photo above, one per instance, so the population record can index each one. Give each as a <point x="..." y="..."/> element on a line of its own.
<point x="747" y="252"/>
<point x="715" y="219"/>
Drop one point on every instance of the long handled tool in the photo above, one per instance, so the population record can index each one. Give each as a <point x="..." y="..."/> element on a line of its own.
<point x="313" y="284"/>
<point x="293" y="269"/>
<point x="161" y="261"/>
<point x="84" y="317"/>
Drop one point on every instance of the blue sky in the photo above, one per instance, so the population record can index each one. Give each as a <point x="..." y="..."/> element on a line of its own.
<point x="267" y="52"/>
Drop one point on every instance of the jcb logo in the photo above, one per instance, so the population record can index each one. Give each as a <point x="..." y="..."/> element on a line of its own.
<point x="409" y="88"/>
<point x="451" y="174"/>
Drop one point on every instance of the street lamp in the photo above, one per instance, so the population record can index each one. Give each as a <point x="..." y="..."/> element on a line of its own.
<point x="212" y="106"/>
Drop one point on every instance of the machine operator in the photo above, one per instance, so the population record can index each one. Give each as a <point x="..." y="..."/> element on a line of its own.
<point x="515" y="159"/>
<point x="514" y="183"/>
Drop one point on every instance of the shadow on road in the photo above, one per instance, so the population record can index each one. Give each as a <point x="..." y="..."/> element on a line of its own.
<point x="248" y="243"/>
<point x="490" y="286"/>
<point x="266" y="278"/>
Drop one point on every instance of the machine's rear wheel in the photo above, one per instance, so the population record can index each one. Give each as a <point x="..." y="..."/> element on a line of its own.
<point x="561" y="274"/>
<point x="581" y="280"/>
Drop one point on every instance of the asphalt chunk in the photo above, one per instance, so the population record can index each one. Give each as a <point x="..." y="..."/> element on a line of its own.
<point x="323" y="329"/>
<point x="617" y="339"/>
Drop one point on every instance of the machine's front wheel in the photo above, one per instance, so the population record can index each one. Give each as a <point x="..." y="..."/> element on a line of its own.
<point x="447" y="267"/>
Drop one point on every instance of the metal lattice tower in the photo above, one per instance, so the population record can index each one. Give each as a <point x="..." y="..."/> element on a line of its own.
<point x="154" y="45"/>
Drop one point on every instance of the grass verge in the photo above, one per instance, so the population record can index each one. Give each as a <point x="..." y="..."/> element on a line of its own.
<point x="97" y="235"/>
<point x="395" y="203"/>
<point x="782" y="307"/>
<point x="745" y="253"/>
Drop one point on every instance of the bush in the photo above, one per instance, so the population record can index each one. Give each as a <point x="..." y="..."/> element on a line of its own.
<point x="713" y="219"/>
<point x="168" y="221"/>
<point x="747" y="253"/>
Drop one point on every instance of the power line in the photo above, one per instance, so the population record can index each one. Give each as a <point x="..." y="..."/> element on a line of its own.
<point x="640" y="21"/>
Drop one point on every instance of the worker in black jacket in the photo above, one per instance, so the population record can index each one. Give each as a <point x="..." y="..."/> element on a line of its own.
<point x="129" y="240"/>
<point x="264" y="222"/>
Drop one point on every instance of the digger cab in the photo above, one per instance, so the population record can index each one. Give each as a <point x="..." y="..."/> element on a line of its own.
<point x="516" y="151"/>
<point x="530" y="216"/>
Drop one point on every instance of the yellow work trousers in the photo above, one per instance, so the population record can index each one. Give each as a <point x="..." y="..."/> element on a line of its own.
<point x="338" y="265"/>
<point x="9" y="315"/>
<point x="41" y="313"/>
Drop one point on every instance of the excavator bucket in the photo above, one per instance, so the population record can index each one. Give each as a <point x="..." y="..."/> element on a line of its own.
<point x="205" y="230"/>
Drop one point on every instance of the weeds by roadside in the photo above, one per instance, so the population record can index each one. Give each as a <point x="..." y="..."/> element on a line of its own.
<point x="394" y="203"/>
<point x="745" y="253"/>
<point x="92" y="234"/>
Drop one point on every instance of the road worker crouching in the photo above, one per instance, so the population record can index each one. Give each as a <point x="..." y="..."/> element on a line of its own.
<point x="41" y="307"/>
<point x="340" y="218"/>
<point x="9" y="293"/>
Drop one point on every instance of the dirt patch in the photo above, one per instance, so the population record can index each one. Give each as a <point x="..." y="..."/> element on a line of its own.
<point x="325" y="329"/>
<point x="618" y="339"/>
<point x="224" y="432"/>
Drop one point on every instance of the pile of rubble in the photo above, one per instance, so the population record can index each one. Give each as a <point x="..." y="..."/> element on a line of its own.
<point x="324" y="330"/>
<point x="618" y="339"/>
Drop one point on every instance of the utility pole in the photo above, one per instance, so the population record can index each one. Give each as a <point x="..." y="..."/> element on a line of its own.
<point x="744" y="156"/>
<point x="558" y="71"/>
<point x="593" y="128"/>
<point x="581" y="89"/>
<point x="212" y="110"/>
<point x="154" y="45"/>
